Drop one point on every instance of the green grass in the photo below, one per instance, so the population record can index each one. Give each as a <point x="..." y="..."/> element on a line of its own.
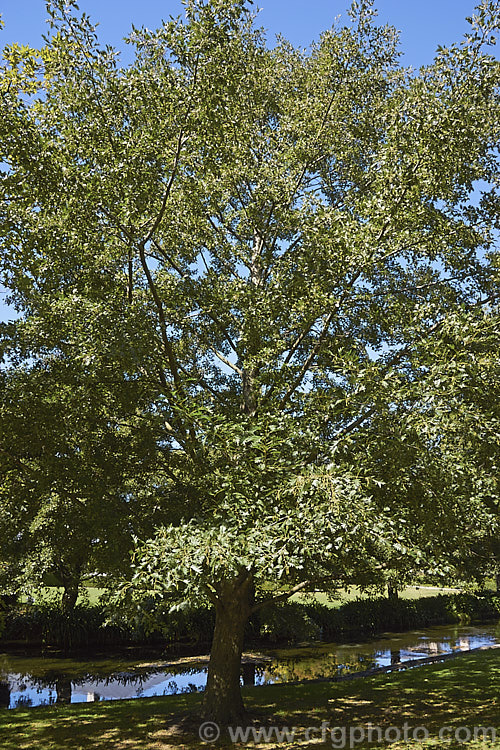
<point x="347" y="595"/>
<point x="92" y="594"/>
<point x="462" y="692"/>
<point x="89" y="594"/>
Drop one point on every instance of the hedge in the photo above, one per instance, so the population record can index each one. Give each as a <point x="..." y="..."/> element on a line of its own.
<point x="90" y="626"/>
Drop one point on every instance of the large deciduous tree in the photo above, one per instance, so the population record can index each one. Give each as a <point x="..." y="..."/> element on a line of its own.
<point x="261" y="240"/>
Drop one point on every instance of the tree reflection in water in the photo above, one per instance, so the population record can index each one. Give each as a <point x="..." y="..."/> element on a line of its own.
<point x="248" y="673"/>
<point x="395" y="656"/>
<point x="4" y="695"/>
<point x="63" y="689"/>
<point x="327" y="665"/>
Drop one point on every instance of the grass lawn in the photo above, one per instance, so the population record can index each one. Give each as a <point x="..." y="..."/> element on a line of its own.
<point x="347" y="595"/>
<point x="93" y="593"/>
<point x="89" y="594"/>
<point x="462" y="692"/>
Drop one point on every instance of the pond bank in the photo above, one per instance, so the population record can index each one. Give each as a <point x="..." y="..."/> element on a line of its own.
<point x="33" y="681"/>
<point x="459" y="693"/>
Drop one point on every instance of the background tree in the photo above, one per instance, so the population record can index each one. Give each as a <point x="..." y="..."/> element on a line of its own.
<point x="262" y="239"/>
<point x="71" y="472"/>
<point x="461" y="403"/>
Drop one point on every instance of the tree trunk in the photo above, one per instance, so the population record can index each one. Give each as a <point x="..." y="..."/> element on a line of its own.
<point x="223" y="702"/>
<point x="392" y="590"/>
<point x="70" y="595"/>
<point x="70" y="576"/>
<point x="497" y="581"/>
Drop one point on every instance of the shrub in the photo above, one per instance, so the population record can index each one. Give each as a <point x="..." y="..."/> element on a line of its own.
<point x="191" y="626"/>
<point x="371" y="616"/>
<point x="45" y="623"/>
<point x="289" y="622"/>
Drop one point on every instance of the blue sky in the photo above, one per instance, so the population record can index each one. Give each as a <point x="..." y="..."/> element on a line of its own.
<point x="423" y="25"/>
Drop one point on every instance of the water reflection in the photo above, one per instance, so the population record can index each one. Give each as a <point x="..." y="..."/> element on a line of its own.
<point x="63" y="689"/>
<point x="248" y="673"/>
<point x="38" y="681"/>
<point x="395" y="656"/>
<point x="4" y="695"/>
<point x="29" y="689"/>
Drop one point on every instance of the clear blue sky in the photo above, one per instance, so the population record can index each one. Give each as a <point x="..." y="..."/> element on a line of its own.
<point x="423" y="24"/>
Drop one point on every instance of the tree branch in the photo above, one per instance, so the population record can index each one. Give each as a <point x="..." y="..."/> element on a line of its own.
<point x="280" y="597"/>
<point x="172" y="361"/>
<point x="168" y="189"/>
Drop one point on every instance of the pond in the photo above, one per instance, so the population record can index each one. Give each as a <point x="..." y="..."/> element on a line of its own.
<point x="34" y="681"/>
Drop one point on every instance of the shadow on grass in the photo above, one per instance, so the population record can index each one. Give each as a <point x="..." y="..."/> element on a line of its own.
<point x="139" y="723"/>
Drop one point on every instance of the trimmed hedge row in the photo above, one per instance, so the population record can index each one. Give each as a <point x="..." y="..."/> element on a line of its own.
<point x="90" y="626"/>
<point x="46" y="624"/>
<point x="291" y="622"/>
<point x="367" y="617"/>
